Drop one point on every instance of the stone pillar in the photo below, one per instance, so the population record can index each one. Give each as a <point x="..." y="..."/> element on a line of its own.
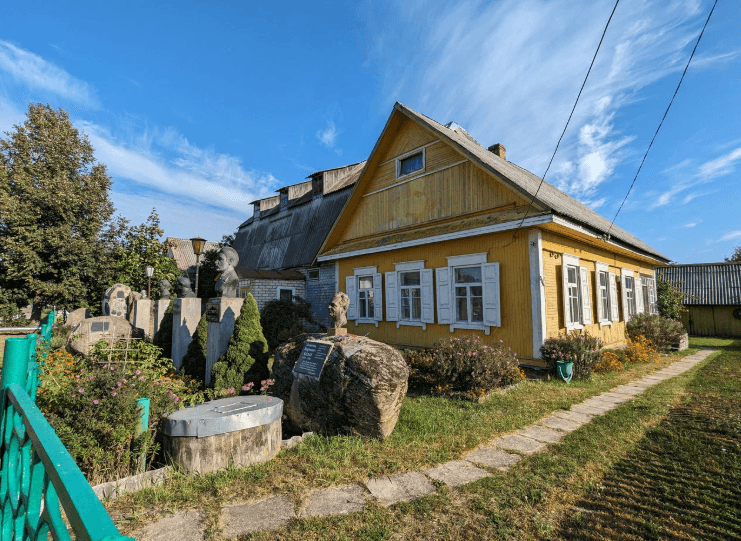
<point x="185" y="316"/>
<point x="143" y="316"/>
<point x="160" y="307"/>
<point x="221" y="313"/>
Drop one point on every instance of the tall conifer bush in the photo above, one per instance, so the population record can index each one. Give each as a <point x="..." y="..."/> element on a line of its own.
<point x="246" y="357"/>
<point x="194" y="361"/>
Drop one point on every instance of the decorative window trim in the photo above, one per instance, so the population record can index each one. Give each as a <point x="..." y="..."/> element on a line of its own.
<point x="573" y="261"/>
<point x="377" y="299"/>
<point x="278" y="289"/>
<point x="410" y="266"/>
<point x="406" y="155"/>
<point x="627" y="305"/>
<point x="470" y="259"/>
<point x="393" y="294"/>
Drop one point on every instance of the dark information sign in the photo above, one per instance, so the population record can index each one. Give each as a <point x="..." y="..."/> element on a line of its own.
<point x="312" y="358"/>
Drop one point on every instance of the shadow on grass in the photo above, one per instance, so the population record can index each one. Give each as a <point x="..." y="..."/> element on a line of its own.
<point x="683" y="481"/>
<point x="727" y="344"/>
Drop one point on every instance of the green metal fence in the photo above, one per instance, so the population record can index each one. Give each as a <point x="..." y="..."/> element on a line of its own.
<point x="39" y="480"/>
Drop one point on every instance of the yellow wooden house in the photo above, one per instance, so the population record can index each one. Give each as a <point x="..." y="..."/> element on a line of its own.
<point x="436" y="240"/>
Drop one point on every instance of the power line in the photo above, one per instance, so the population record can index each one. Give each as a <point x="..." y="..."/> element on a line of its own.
<point x="607" y="235"/>
<point x="569" y="120"/>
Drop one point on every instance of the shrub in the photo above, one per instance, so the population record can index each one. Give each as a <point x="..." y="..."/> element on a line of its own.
<point x="661" y="331"/>
<point x="163" y="337"/>
<point x="246" y="356"/>
<point x="669" y="298"/>
<point x="581" y="349"/>
<point x="282" y="320"/>
<point x="641" y="350"/>
<point x="609" y="361"/>
<point x="466" y="365"/>
<point x="194" y="360"/>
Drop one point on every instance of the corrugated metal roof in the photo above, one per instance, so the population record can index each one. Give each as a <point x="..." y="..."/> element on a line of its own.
<point x="182" y="252"/>
<point x="527" y="184"/>
<point x="252" y="274"/>
<point x="707" y="283"/>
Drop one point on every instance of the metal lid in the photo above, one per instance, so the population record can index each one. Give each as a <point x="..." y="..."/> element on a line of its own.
<point x="223" y="416"/>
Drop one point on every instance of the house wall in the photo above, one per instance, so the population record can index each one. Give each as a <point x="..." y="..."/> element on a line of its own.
<point x="320" y="292"/>
<point x="516" y="328"/>
<point x="267" y="290"/>
<point x="553" y="246"/>
<point x="712" y="321"/>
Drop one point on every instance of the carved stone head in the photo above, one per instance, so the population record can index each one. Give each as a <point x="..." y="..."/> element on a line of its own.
<point x="164" y="289"/>
<point x="183" y="288"/>
<point x="338" y="309"/>
<point x="228" y="282"/>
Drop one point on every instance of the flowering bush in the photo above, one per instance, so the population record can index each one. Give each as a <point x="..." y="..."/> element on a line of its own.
<point x="581" y="349"/>
<point x="609" y="361"/>
<point x="662" y="332"/>
<point x="467" y="365"/>
<point x="641" y="350"/>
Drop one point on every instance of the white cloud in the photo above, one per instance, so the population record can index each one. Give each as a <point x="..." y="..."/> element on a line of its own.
<point x="730" y="236"/>
<point x="692" y="224"/>
<point x="328" y="136"/>
<point x="720" y="166"/>
<point x="37" y="73"/>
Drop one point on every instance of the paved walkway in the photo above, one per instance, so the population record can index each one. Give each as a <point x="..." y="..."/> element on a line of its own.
<point x="276" y="511"/>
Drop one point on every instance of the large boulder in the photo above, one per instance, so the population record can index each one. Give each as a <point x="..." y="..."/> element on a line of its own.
<point x="75" y="317"/>
<point x="89" y="331"/>
<point x="360" y="389"/>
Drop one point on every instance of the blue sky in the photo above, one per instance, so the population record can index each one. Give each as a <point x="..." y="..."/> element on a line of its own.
<point x="197" y="109"/>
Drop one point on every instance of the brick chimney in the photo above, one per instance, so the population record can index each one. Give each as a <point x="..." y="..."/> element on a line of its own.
<point x="499" y="150"/>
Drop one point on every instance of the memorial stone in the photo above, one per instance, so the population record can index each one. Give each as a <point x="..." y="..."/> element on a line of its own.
<point x="142" y="316"/>
<point x="186" y="313"/>
<point x="116" y="301"/>
<point x="75" y="317"/>
<point x="91" y="330"/>
<point x="312" y="358"/>
<point x="221" y="314"/>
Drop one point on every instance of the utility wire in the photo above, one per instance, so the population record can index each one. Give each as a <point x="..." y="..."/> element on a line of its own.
<point x="607" y="235"/>
<point x="569" y="120"/>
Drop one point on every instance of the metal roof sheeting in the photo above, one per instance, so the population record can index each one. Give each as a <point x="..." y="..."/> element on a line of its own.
<point x="706" y="283"/>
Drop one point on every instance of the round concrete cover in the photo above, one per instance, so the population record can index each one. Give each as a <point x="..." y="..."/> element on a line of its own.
<point x="223" y="416"/>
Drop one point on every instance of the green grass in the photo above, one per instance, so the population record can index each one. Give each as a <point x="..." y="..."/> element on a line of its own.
<point x="733" y="344"/>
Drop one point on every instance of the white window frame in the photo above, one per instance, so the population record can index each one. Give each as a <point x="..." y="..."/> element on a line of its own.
<point x="309" y="272"/>
<point x="278" y="289"/>
<point x="630" y="308"/>
<point x="491" y="297"/>
<point x="604" y="317"/>
<point x="393" y="295"/>
<point x="569" y="260"/>
<point x="353" y="291"/>
<point x="650" y="283"/>
<point x="407" y="155"/>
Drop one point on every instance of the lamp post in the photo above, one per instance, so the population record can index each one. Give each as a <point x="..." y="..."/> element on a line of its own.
<point x="199" y="247"/>
<point x="149" y="269"/>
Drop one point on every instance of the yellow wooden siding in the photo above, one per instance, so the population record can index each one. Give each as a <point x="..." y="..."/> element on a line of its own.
<point x="712" y="321"/>
<point x="553" y="246"/>
<point x="516" y="328"/>
<point x="405" y="136"/>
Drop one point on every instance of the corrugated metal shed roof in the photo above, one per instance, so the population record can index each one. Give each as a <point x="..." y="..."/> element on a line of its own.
<point x="252" y="274"/>
<point x="707" y="283"/>
<point x="527" y="183"/>
<point x="181" y="251"/>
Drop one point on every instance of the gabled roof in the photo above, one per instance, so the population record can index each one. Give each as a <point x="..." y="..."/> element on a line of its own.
<point x="182" y="251"/>
<point x="706" y="283"/>
<point x="526" y="183"/>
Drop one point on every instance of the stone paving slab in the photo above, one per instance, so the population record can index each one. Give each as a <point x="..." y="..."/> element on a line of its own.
<point x="559" y="423"/>
<point x="456" y="473"/>
<point x="184" y="525"/>
<point x="575" y="416"/>
<point x="400" y="487"/>
<point x="618" y="398"/>
<point x="519" y="443"/>
<point x="609" y="399"/>
<point x="599" y="403"/>
<point x="591" y="410"/>
<point x="492" y="458"/>
<point x="542" y="433"/>
<point x="335" y="501"/>
<point x="269" y="514"/>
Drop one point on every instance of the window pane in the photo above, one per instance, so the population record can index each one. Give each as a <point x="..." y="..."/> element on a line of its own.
<point x="477" y="309"/>
<point x="410" y="278"/>
<point x="362" y="305"/>
<point x="571" y="278"/>
<point x="468" y="275"/>
<point x="370" y="303"/>
<point x="460" y="292"/>
<point x="603" y="279"/>
<point x="461" y="309"/>
<point x="286" y="295"/>
<point x="416" y="306"/>
<point x="405" y="293"/>
<point x="405" y="307"/>
<point x="410" y="164"/>
<point x="365" y="282"/>
<point x="574" y="310"/>
<point x="476" y="291"/>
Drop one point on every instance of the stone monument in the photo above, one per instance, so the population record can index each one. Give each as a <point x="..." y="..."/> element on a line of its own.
<point x="338" y="312"/>
<point x="183" y="288"/>
<point x="89" y="331"/>
<point x="222" y="312"/>
<point x="116" y="301"/>
<point x="186" y="313"/>
<point x="165" y="289"/>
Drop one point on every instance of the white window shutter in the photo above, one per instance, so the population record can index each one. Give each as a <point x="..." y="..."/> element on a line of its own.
<point x="492" y="311"/>
<point x="615" y="316"/>
<point x="597" y="297"/>
<point x="444" y="304"/>
<point x="652" y="296"/>
<point x="624" y="298"/>
<point x="377" y="297"/>
<point x="638" y="285"/>
<point x="428" y="298"/>
<point x="565" y="289"/>
<point x="352" y="293"/>
<point x="586" y="304"/>
<point x="392" y="297"/>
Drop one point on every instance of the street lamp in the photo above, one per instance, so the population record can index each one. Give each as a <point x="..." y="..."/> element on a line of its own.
<point x="149" y="269"/>
<point x="199" y="248"/>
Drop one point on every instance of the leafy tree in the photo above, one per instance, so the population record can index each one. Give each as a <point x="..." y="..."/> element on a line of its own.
<point x="735" y="256"/>
<point x="246" y="356"/>
<point x="228" y="240"/>
<point x="194" y="361"/>
<point x="670" y="298"/>
<point x="54" y="201"/>
<point x="207" y="275"/>
<point x="282" y="320"/>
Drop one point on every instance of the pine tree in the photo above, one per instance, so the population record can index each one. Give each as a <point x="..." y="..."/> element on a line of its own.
<point x="194" y="360"/>
<point x="246" y="356"/>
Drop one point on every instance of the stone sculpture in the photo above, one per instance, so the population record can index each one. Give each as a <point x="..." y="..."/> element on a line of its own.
<point x="183" y="288"/>
<point x="164" y="289"/>
<point x="228" y="282"/>
<point x="116" y="301"/>
<point x="338" y="309"/>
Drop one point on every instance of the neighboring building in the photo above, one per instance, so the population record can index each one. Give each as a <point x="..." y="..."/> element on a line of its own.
<point x="425" y="248"/>
<point x="285" y="233"/>
<point x="714" y="296"/>
<point x="181" y="250"/>
<point x="268" y="285"/>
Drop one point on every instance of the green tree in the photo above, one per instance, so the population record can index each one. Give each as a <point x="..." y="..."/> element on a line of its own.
<point x="207" y="275"/>
<point x="670" y="298"/>
<point x="54" y="201"/>
<point x="194" y="361"/>
<point x="735" y="256"/>
<point x="246" y="356"/>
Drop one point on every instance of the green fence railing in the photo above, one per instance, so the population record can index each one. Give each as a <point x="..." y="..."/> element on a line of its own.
<point x="39" y="480"/>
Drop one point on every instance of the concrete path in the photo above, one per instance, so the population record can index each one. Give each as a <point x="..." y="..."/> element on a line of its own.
<point x="499" y="454"/>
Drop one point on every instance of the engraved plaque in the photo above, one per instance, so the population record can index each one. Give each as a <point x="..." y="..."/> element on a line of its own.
<point x="312" y="358"/>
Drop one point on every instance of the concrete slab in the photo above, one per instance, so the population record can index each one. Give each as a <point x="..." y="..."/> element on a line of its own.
<point x="542" y="433"/>
<point x="618" y="398"/>
<point x="559" y="423"/>
<point x="492" y="458"/>
<point x="335" y="501"/>
<point x="608" y="399"/>
<point x="269" y="514"/>
<point x="184" y="525"/>
<point x="577" y="417"/>
<point x="591" y="410"/>
<point x="519" y="443"/>
<point x="400" y="487"/>
<point x="456" y="473"/>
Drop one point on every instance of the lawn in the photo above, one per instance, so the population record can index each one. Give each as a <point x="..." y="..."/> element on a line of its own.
<point x="430" y="430"/>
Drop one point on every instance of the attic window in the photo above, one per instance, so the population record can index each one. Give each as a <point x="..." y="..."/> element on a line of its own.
<point x="409" y="164"/>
